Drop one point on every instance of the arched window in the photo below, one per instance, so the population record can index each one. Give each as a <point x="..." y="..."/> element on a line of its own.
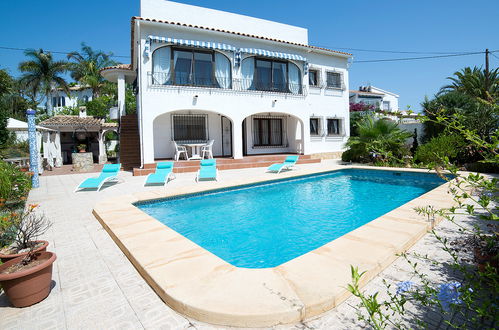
<point x="191" y="67"/>
<point x="294" y="78"/>
<point x="161" y="59"/>
<point x="223" y="71"/>
<point x="271" y="75"/>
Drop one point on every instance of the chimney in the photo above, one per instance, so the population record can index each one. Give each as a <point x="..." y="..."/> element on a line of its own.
<point x="83" y="111"/>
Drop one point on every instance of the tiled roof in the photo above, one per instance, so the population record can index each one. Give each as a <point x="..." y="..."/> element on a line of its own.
<point x="109" y="124"/>
<point x="230" y="32"/>
<point x="363" y="92"/>
<point x="75" y="121"/>
<point x="119" y="66"/>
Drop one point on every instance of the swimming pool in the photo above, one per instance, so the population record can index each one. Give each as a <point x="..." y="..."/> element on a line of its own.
<point x="267" y="224"/>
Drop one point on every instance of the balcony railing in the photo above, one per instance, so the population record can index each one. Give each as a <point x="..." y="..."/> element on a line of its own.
<point x="224" y="82"/>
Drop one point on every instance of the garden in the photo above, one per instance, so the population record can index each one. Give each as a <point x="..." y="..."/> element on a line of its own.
<point x="460" y="133"/>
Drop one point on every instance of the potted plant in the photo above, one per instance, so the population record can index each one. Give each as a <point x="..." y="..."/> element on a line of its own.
<point x="26" y="279"/>
<point x="23" y="228"/>
<point x="485" y="248"/>
<point x="81" y="147"/>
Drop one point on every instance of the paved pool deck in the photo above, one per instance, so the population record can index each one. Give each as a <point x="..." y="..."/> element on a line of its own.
<point x="96" y="286"/>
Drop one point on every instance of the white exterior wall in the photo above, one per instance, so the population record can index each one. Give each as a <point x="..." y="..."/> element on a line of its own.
<point x="388" y="96"/>
<point x="158" y="102"/>
<point x="72" y="99"/>
<point x="188" y="14"/>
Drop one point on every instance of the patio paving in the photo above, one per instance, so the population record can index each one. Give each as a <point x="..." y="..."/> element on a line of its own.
<point x="95" y="286"/>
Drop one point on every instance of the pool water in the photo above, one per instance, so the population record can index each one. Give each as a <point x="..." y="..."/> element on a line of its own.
<point x="265" y="225"/>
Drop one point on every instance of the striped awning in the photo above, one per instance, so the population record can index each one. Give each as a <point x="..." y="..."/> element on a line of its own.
<point x="268" y="53"/>
<point x="190" y="43"/>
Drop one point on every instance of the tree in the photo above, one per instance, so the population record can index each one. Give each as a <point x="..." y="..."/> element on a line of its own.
<point x="378" y="138"/>
<point x="85" y="67"/>
<point x="473" y="113"/>
<point x="474" y="83"/>
<point x="42" y="75"/>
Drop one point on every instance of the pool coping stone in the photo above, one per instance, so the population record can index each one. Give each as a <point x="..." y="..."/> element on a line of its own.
<point x="197" y="283"/>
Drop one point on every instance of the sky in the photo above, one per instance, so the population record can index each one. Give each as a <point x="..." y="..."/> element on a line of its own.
<point x="428" y="27"/>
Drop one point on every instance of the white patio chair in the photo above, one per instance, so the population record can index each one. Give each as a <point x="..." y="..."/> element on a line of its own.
<point x="207" y="149"/>
<point x="179" y="150"/>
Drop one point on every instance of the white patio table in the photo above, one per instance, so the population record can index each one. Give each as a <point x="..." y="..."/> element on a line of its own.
<point x="195" y="150"/>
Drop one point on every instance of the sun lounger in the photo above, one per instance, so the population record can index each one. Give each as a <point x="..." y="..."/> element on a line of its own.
<point x="207" y="170"/>
<point x="109" y="174"/>
<point x="163" y="174"/>
<point x="288" y="163"/>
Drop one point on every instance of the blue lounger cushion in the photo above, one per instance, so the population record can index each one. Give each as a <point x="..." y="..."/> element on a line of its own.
<point x="163" y="172"/>
<point x="290" y="161"/>
<point x="207" y="169"/>
<point x="208" y="173"/>
<point x="109" y="172"/>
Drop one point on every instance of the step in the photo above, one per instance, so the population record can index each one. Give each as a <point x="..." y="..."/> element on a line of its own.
<point x="193" y="166"/>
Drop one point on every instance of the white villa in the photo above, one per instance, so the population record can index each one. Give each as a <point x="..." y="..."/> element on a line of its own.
<point x="77" y="94"/>
<point x="251" y="85"/>
<point x="380" y="98"/>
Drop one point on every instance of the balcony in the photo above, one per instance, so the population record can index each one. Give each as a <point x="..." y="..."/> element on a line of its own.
<point x="160" y="79"/>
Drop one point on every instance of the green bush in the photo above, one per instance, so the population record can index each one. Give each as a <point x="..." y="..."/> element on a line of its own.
<point x="14" y="185"/>
<point x="357" y="155"/>
<point x="439" y="147"/>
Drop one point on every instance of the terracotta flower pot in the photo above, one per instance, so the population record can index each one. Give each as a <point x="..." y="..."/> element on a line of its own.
<point x="482" y="259"/>
<point x="7" y="257"/>
<point x="29" y="286"/>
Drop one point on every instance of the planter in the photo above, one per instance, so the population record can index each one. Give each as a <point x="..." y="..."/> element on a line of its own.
<point x="82" y="150"/>
<point x="483" y="259"/>
<point x="30" y="286"/>
<point x="7" y="257"/>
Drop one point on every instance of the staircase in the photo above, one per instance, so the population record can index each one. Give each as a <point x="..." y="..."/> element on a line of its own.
<point x="129" y="142"/>
<point x="185" y="166"/>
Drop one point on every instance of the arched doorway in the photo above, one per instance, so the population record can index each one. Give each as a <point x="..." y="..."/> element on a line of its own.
<point x="272" y="133"/>
<point x="192" y="127"/>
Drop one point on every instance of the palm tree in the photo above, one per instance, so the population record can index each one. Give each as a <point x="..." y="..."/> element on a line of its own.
<point x="378" y="136"/>
<point x="42" y="74"/>
<point x="86" y="65"/>
<point x="476" y="83"/>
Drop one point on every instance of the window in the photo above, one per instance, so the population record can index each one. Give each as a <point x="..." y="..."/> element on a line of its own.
<point x="315" y="127"/>
<point x="386" y="105"/>
<point x="191" y="68"/>
<point x="313" y="78"/>
<point x="333" y="127"/>
<point x="267" y="132"/>
<point x="85" y="98"/>
<point x="271" y="75"/>
<point x="58" y="101"/>
<point x="333" y="80"/>
<point x="191" y="128"/>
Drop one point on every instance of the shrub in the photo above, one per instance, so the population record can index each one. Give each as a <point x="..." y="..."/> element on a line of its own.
<point x="379" y="140"/>
<point x="14" y="185"/>
<point x="439" y="147"/>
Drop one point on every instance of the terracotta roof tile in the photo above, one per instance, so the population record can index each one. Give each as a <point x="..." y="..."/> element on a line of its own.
<point x="363" y="92"/>
<point x="226" y="31"/>
<point x="118" y="66"/>
<point x="75" y="121"/>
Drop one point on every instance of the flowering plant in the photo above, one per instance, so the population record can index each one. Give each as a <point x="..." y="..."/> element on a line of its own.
<point x="359" y="107"/>
<point x="468" y="297"/>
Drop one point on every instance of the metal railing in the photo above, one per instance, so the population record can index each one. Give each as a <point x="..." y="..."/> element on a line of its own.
<point x="223" y="82"/>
